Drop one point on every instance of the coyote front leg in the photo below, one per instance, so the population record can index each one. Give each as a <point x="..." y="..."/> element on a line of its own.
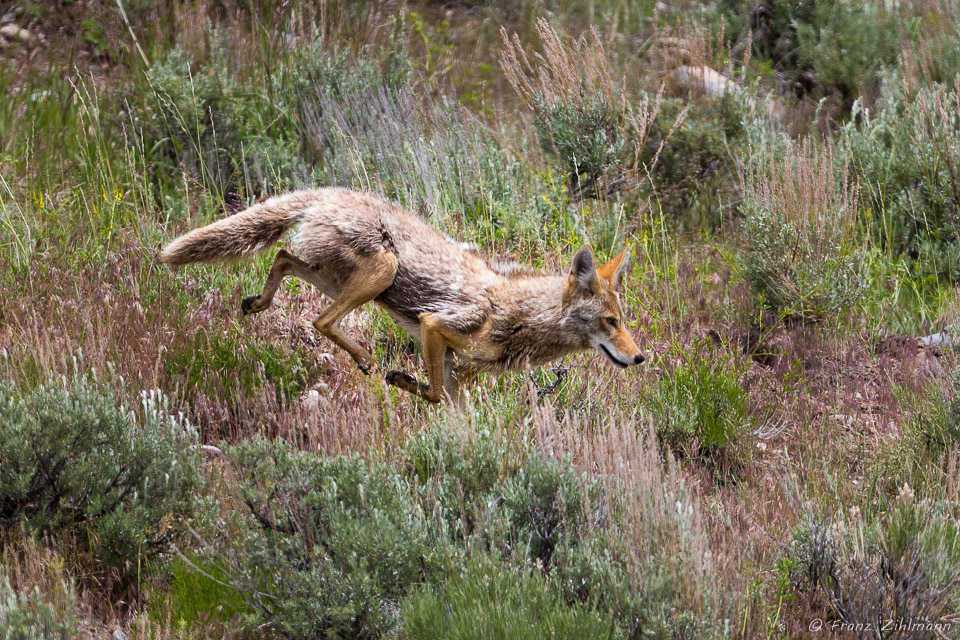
<point x="434" y="350"/>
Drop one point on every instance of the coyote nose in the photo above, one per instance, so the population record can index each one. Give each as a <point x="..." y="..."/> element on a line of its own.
<point x="637" y="359"/>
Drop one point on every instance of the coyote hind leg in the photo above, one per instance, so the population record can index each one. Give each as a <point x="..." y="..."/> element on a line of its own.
<point x="373" y="275"/>
<point x="285" y="264"/>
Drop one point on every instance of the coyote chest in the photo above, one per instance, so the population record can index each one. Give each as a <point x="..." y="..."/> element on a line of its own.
<point x="449" y="293"/>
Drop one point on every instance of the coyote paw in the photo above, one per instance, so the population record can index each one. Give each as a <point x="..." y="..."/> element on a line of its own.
<point x="400" y="379"/>
<point x="367" y="367"/>
<point x="250" y="305"/>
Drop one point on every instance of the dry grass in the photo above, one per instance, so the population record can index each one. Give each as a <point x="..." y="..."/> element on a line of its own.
<point x="564" y="73"/>
<point x="29" y="565"/>
<point x="661" y="506"/>
<point x="807" y="188"/>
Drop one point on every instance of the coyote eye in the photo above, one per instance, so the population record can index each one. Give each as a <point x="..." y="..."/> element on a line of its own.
<point x="611" y="320"/>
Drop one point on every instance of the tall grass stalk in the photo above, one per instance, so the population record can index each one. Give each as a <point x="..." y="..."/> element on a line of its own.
<point x="806" y="245"/>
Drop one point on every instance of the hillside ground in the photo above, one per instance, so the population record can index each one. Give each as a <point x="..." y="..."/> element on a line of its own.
<point x="784" y="175"/>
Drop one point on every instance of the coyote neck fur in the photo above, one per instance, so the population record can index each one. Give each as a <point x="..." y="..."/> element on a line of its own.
<point x="528" y="323"/>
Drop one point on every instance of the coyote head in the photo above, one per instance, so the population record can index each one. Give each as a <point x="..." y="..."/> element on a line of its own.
<point x="593" y="311"/>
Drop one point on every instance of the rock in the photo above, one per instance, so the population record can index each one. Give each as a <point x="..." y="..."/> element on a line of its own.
<point x="672" y="52"/>
<point x="8" y="17"/>
<point x="702" y="81"/>
<point x="13" y="32"/>
<point x="845" y="420"/>
<point x="312" y="401"/>
<point x="942" y="340"/>
<point x="120" y="635"/>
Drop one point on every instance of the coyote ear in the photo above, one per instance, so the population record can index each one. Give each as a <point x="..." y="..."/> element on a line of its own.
<point x="612" y="271"/>
<point x="583" y="272"/>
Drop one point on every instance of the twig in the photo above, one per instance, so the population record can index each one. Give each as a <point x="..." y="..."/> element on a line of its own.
<point x="123" y="14"/>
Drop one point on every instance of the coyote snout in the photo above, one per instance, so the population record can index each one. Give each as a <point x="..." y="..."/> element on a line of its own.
<point x="471" y="316"/>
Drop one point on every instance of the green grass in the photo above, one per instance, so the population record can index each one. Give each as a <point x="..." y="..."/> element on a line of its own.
<point x="194" y="595"/>
<point x="491" y="602"/>
<point x="234" y="365"/>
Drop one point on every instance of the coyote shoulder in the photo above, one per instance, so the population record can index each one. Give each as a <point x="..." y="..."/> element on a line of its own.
<point x="469" y="315"/>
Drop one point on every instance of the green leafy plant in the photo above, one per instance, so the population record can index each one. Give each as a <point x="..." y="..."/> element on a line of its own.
<point x="196" y="596"/>
<point x="77" y="462"/>
<point x="806" y="249"/>
<point x="701" y="411"/>
<point x="30" y="616"/>
<point x="232" y="367"/>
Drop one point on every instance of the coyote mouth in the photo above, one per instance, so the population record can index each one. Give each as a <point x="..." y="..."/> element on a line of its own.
<point x="612" y="358"/>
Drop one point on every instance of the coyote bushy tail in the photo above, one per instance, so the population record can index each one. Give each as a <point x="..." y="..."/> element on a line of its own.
<point x="240" y="235"/>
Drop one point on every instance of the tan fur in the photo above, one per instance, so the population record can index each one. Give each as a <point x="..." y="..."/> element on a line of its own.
<point x="469" y="316"/>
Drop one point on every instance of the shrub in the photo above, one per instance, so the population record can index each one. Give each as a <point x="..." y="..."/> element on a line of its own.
<point x="845" y="43"/>
<point x="187" y="117"/>
<point x="837" y="45"/>
<point x="578" y="112"/>
<point x="459" y="474"/>
<point x="695" y="173"/>
<point x="331" y="545"/>
<point x="238" y="131"/>
<point x="906" y="155"/>
<point x="78" y="462"/>
<point x="581" y="531"/>
<point x="550" y="507"/>
<point x="700" y="410"/>
<point x="337" y="547"/>
<point x="805" y="249"/>
<point x="525" y="512"/>
<point x="30" y="616"/>
<point x="490" y="601"/>
<point x="596" y="572"/>
<point x="645" y="555"/>
<point x="901" y="565"/>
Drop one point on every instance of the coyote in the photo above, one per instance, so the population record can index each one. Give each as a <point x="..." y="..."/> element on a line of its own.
<point x="471" y="316"/>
